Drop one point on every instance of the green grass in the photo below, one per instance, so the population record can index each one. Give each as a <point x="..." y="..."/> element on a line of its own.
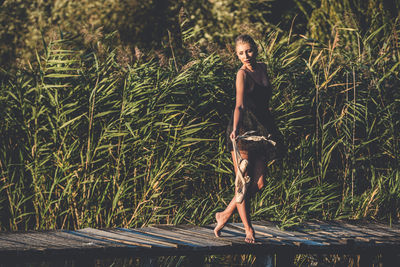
<point x="89" y="140"/>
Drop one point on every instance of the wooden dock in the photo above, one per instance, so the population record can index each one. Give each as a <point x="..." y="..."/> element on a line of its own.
<point x="316" y="237"/>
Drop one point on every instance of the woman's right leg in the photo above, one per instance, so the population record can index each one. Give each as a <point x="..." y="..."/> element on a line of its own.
<point x="243" y="210"/>
<point x="223" y="217"/>
<point x="258" y="168"/>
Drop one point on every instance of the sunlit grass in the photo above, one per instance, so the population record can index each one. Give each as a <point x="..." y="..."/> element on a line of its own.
<point x="88" y="141"/>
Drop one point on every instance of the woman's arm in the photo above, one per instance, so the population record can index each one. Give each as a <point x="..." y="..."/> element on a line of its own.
<point x="240" y="85"/>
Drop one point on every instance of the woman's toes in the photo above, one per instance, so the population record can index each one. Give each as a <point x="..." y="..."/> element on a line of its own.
<point x="250" y="236"/>
<point x="249" y="240"/>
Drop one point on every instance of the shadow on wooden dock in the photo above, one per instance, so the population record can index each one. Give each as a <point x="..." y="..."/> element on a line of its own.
<point x="371" y="242"/>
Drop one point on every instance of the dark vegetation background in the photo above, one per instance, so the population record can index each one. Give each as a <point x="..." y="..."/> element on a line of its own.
<point x="113" y="112"/>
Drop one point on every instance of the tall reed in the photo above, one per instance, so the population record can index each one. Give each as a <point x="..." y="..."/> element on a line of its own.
<point x="90" y="141"/>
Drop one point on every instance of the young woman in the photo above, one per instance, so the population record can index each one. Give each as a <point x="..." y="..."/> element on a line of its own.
<point x="251" y="113"/>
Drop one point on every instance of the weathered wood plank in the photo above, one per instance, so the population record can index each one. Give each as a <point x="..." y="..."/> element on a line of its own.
<point x="297" y="238"/>
<point x="190" y="241"/>
<point x="96" y="239"/>
<point x="207" y="234"/>
<point x="189" y="235"/>
<point x="227" y="233"/>
<point x="266" y="237"/>
<point x="115" y="237"/>
<point x="194" y="231"/>
<point x="355" y="230"/>
<point x="264" y="240"/>
<point x="44" y="240"/>
<point x="146" y="237"/>
<point x="318" y="237"/>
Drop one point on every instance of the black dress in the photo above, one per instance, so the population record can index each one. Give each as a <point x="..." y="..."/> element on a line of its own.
<point x="256" y="117"/>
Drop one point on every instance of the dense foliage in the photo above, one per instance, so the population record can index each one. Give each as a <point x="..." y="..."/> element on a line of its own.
<point x="152" y="24"/>
<point x="99" y="134"/>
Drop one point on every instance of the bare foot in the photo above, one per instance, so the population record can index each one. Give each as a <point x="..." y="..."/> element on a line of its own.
<point x="221" y="220"/>
<point x="250" y="236"/>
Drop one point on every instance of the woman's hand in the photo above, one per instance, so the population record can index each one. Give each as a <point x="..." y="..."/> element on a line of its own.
<point x="233" y="135"/>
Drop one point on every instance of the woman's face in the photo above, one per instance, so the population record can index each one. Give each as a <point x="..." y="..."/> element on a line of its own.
<point x="245" y="53"/>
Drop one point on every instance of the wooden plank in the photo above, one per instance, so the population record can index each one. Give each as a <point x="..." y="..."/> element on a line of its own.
<point x="265" y="240"/>
<point x="309" y="228"/>
<point x="340" y="239"/>
<point x="338" y="227"/>
<point x="195" y="235"/>
<point x="227" y="233"/>
<point x="10" y="243"/>
<point x="299" y="239"/>
<point x="171" y="237"/>
<point x="322" y="228"/>
<point x="290" y="233"/>
<point x="82" y="241"/>
<point x="97" y="239"/>
<point x="309" y="237"/>
<point x="232" y="235"/>
<point x="394" y="226"/>
<point x="53" y="239"/>
<point x="391" y="229"/>
<point x="146" y="237"/>
<point x="41" y="240"/>
<point x="42" y="245"/>
<point x="332" y="241"/>
<point x="273" y="229"/>
<point x="363" y="231"/>
<point x="190" y="242"/>
<point x="266" y="235"/>
<point x="357" y="230"/>
<point x="301" y="242"/>
<point x="60" y="240"/>
<point x="87" y="241"/>
<point x="204" y="232"/>
<point x="25" y="241"/>
<point x="147" y="232"/>
<point x="109" y="236"/>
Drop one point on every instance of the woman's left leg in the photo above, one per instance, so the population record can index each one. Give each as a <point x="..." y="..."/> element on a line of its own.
<point x="223" y="217"/>
<point x="257" y="172"/>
